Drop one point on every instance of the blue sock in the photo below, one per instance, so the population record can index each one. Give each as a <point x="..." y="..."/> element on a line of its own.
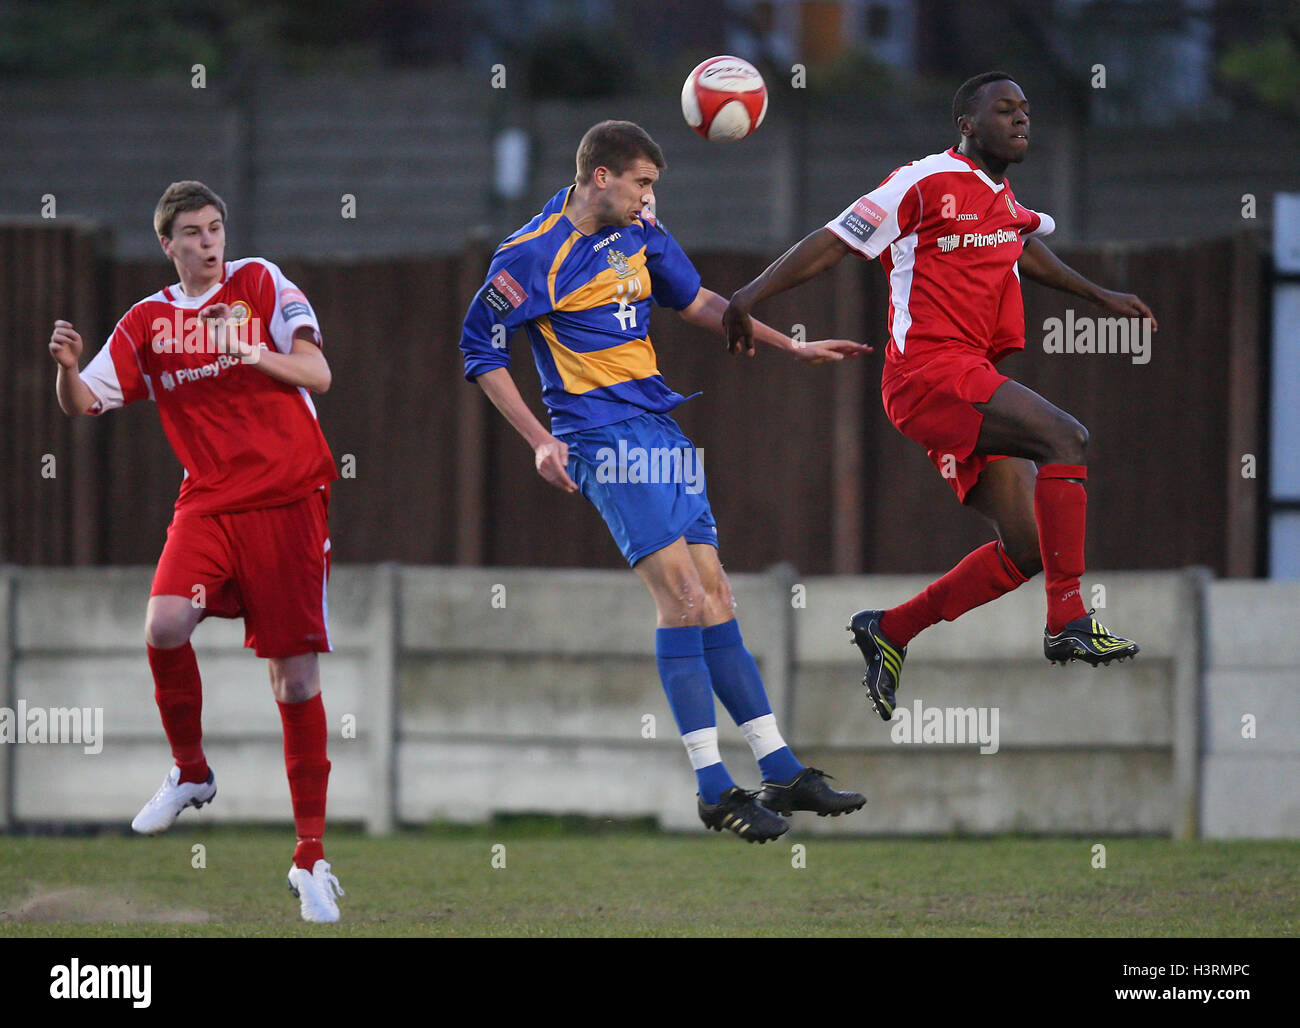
<point x="685" y="676"/>
<point x="740" y="688"/>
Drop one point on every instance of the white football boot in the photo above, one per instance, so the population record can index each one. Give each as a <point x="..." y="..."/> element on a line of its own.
<point x="161" y="812"/>
<point x="316" y="890"/>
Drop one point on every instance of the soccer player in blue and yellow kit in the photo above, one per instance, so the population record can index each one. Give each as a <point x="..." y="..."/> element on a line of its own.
<point x="580" y="277"/>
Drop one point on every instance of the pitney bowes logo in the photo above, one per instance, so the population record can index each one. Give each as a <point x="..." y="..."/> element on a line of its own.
<point x="961" y="240"/>
<point x="170" y="380"/>
<point x="239" y="334"/>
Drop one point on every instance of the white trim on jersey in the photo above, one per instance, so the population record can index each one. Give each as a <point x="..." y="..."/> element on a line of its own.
<point x="1045" y="227"/>
<point x="281" y="329"/>
<point x="177" y="297"/>
<point x="306" y="398"/>
<point x="100" y="375"/>
<point x="997" y="187"/>
<point x="325" y="598"/>
<point x="889" y="196"/>
<point x="900" y="288"/>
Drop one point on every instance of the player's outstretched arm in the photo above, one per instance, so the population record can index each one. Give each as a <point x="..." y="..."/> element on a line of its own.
<point x="812" y="255"/>
<point x="550" y="455"/>
<point x="707" y="312"/>
<point x="1039" y="264"/>
<point x="75" y="397"/>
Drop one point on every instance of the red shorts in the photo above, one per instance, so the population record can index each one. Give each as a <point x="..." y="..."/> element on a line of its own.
<point x="268" y="566"/>
<point x="932" y="403"/>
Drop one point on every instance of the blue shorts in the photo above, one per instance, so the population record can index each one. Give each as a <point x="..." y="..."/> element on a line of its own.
<point x="647" y="480"/>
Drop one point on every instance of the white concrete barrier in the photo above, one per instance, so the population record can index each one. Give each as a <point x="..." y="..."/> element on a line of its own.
<point x="461" y="693"/>
<point x="1251" y="772"/>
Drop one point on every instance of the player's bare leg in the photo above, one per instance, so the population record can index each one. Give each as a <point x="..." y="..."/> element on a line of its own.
<point x="295" y="681"/>
<point x="787" y="785"/>
<point x="1020" y="423"/>
<point x="683" y="606"/>
<point x="1004" y="494"/>
<point x="178" y="691"/>
<point x="169" y="621"/>
<point x="674" y="583"/>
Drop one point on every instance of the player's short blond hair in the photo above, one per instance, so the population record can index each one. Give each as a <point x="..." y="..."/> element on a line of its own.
<point x="180" y="197"/>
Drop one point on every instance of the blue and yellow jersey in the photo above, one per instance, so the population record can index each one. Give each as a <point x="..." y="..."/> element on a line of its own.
<point x="585" y="302"/>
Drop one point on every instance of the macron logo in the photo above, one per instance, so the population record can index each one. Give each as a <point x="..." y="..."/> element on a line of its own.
<point x="102" y="981"/>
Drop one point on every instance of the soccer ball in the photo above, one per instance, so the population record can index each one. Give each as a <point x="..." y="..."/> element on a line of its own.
<point x="724" y="99"/>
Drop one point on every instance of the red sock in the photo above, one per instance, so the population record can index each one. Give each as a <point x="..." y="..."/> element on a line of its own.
<point x="178" y="690"/>
<point x="981" y="576"/>
<point x="309" y="774"/>
<point x="1061" y="507"/>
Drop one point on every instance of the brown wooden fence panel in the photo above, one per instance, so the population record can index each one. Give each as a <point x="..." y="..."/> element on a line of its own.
<point x="49" y="466"/>
<point x="802" y="464"/>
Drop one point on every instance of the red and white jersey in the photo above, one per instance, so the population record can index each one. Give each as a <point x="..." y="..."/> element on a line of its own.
<point x="949" y="238"/>
<point x="246" y="440"/>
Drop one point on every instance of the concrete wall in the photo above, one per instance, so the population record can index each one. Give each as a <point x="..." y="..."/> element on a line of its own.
<point x="456" y="694"/>
<point x="1251" y="728"/>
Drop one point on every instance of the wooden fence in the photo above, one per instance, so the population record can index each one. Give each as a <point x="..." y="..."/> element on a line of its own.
<point x="802" y="464"/>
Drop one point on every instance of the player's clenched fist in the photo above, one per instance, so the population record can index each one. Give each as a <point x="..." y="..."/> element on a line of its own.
<point x="739" y="328"/>
<point x="223" y="334"/>
<point x="65" y="344"/>
<point x="215" y="312"/>
<point x="552" y="458"/>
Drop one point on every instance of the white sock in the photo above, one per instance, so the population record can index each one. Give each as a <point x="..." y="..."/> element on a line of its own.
<point x="762" y="735"/>
<point x="702" y="747"/>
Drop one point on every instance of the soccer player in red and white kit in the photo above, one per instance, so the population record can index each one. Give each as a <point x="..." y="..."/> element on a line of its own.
<point x="229" y="354"/>
<point x="954" y="241"/>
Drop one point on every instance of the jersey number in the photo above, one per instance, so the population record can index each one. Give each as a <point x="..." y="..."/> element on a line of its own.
<point x="626" y="313"/>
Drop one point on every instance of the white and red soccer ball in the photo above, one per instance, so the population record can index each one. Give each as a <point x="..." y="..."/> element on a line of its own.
<point x="724" y="99"/>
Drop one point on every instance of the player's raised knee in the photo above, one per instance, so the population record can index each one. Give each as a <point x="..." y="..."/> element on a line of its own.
<point x="167" y="626"/>
<point x="1068" y="442"/>
<point x="293" y="680"/>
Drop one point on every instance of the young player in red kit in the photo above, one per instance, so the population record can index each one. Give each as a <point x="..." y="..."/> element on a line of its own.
<point x="954" y="241"/>
<point x="229" y="354"/>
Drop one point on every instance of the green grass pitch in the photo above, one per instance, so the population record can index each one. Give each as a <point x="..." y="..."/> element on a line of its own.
<point x="592" y="880"/>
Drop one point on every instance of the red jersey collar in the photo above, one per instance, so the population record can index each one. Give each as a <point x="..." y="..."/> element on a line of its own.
<point x="997" y="187"/>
